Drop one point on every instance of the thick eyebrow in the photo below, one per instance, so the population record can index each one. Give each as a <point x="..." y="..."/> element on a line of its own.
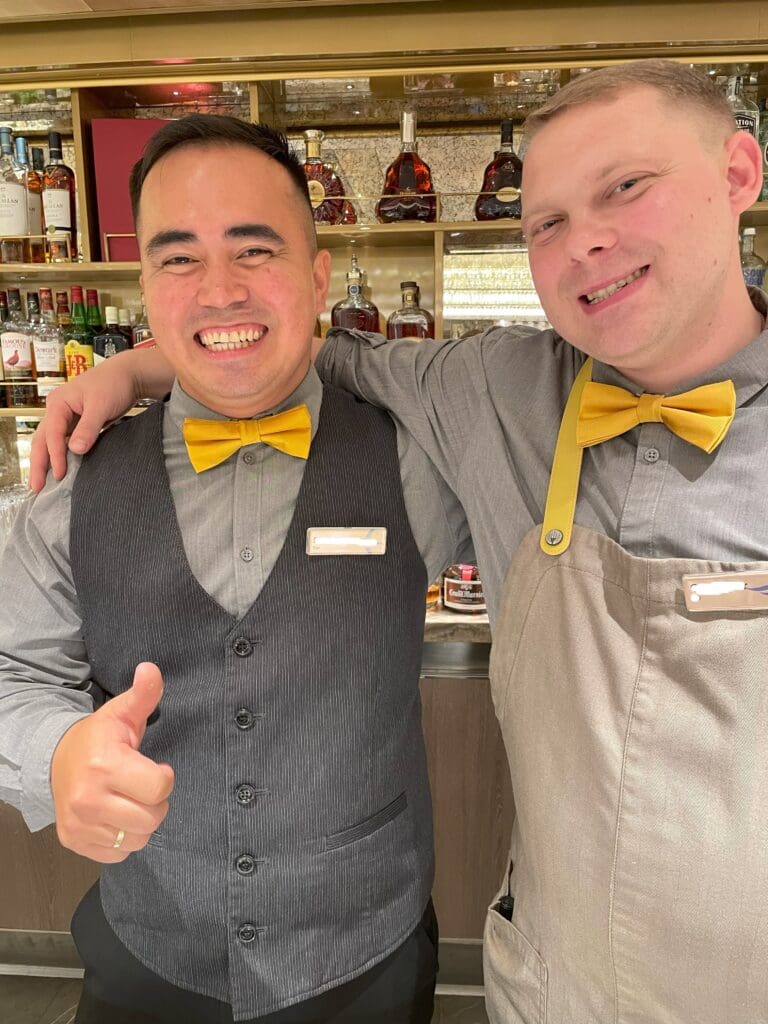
<point x="174" y="236"/>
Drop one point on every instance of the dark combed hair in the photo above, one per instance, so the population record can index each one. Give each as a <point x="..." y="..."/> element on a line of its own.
<point x="216" y="129"/>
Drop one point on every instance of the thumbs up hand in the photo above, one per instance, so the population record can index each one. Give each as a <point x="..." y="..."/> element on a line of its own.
<point x="109" y="798"/>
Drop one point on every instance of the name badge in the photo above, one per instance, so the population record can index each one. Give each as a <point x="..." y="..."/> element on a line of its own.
<point x="346" y="540"/>
<point x="726" y="592"/>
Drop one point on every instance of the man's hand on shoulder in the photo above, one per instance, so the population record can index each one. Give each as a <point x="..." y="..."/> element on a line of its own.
<point x="102" y="785"/>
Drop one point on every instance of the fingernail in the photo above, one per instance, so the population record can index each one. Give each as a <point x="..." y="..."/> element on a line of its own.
<point x="77" y="446"/>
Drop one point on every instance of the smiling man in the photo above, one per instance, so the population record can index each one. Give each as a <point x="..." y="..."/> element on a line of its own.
<point x="613" y="473"/>
<point x="265" y="827"/>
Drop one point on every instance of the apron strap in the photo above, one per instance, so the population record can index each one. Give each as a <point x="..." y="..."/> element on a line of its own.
<point x="566" y="471"/>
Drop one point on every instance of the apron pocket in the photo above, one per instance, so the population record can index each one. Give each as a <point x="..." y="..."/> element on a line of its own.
<point x="515" y="975"/>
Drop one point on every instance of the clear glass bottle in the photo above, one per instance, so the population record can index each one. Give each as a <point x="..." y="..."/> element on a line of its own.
<point x="141" y="331"/>
<point x="59" y="203"/>
<point x="752" y="265"/>
<point x="408" y="193"/>
<point x="111" y="339"/>
<point x="410" y="321"/>
<point x="49" y="348"/>
<point x="16" y="345"/>
<point x="500" y="195"/>
<point x="326" y="189"/>
<point x="746" y="112"/>
<point x="13" y="204"/>
<point x="34" y="244"/>
<point x="355" y="312"/>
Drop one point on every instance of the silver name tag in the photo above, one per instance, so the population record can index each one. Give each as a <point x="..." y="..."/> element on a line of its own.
<point x="726" y="592"/>
<point x="346" y="540"/>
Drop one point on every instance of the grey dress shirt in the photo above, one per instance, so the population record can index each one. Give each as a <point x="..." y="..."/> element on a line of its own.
<point x="233" y="520"/>
<point x="487" y="410"/>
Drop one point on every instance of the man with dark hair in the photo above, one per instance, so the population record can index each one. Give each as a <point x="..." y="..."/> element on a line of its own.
<point x="613" y="473"/>
<point x="256" y="788"/>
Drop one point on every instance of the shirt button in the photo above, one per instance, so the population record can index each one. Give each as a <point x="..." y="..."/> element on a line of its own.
<point x="247" y="555"/>
<point x="244" y="719"/>
<point x="242" y="647"/>
<point x="249" y="458"/>
<point x="245" y="795"/>
<point x="245" y="864"/>
<point x="246" y="933"/>
<point x="651" y="455"/>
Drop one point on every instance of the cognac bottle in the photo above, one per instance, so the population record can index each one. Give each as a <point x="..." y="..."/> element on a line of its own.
<point x="410" y="321"/>
<point x="408" y="192"/>
<point x="500" y="196"/>
<point x="325" y="185"/>
<point x="355" y="312"/>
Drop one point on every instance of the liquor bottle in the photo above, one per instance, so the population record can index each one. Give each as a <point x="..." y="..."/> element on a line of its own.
<point x="63" y="315"/>
<point x="13" y="204"/>
<point x="3" y="318"/>
<point x="408" y="192"/>
<point x="746" y="113"/>
<point x="410" y="321"/>
<point x="3" y="307"/>
<point x="34" y="244"/>
<point x="59" y="203"/>
<point x="92" y="312"/>
<point x="325" y="185"/>
<point x="752" y="265"/>
<point x="142" y="332"/>
<point x="78" y="348"/>
<point x="500" y="196"/>
<point x="111" y="340"/>
<point x="16" y="344"/>
<point x="124" y="325"/>
<point x="355" y="312"/>
<point x="49" y="347"/>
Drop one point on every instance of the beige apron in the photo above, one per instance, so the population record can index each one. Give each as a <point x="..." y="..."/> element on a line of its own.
<point x="637" y="735"/>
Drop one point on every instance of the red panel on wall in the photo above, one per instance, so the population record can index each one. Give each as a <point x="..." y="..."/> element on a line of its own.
<point x="117" y="145"/>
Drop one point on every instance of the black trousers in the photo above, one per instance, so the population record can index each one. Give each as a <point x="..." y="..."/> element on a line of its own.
<point x="118" y="989"/>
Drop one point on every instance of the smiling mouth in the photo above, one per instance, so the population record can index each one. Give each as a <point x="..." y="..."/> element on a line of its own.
<point x="593" y="298"/>
<point x="229" y="340"/>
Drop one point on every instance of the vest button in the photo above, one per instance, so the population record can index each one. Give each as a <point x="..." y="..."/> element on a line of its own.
<point x="245" y="795"/>
<point x="244" y="719"/>
<point x="242" y="647"/>
<point x="245" y="864"/>
<point x="246" y="933"/>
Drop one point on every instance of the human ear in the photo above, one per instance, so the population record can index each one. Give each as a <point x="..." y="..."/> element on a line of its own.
<point x="744" y="170"/>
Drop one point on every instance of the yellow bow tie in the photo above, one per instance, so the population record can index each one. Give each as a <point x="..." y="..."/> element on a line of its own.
<point x="210" y="442"/>
<point x="701" y="416"/>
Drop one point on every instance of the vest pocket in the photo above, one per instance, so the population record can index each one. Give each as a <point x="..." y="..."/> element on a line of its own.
<point x="515" y="975"/>
<point x="368" y="826"/>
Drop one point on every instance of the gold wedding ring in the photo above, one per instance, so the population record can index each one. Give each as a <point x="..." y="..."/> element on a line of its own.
<point x="118" y="839"/>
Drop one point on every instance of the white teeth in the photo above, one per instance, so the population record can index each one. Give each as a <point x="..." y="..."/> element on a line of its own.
<point x="229" y="340"/>
<point x="604" y="293"/>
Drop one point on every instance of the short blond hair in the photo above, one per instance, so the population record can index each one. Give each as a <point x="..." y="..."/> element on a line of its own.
<point x="678" y="83"/>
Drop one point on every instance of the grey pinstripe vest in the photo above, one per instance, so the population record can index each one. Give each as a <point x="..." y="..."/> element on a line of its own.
<point x="298" y="848"/>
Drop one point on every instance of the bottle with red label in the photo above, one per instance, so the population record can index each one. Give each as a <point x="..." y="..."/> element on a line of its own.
<point x="463" y="589"/>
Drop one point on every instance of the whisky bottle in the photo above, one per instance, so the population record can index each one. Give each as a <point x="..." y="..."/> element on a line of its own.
<point x="142" y="332"/>
<point x="16" y="344"/>
<point x="111" y="340"/>
<point x="13" y="204"/>
<point x="63" y="315"/>
<point x="34" y="244"/>
<point x="746" y="113"/>
<point x="355" y="312"/>
<point x="410" y="321"/>
<point x="49" y="347"/>
<point x="500" y="196"/>
<point x="326" y="189"/>
<point x="59" y="203"/>
<point x="78" y="348"/>
<point x="124" y="325"/>
<point x="408" y="192"/>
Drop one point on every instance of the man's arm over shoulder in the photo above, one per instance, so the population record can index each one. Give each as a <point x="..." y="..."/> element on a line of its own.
<point x="44" y="672"/>
<point x="431" y="388"/>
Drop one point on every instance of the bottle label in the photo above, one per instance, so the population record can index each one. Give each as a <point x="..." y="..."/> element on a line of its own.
<point x="316" y="192"/>
<point x="13" y="209"/>
<point x="45" y="385"/>
<point x="49" y="357"/>
<point x="746" y="121"/>
<point x="34" y="213"/>
<point x="79" y="358"/>
<point x="508" y="194"/>
<point x="461" y="596"/>
<point x="753" y="276"/>
<point x="17" y="355"/>
<point x="56" y="206"/>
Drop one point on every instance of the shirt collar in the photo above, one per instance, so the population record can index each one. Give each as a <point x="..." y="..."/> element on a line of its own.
<point x="747" y="368"/>
<point x="180" y="406"/>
